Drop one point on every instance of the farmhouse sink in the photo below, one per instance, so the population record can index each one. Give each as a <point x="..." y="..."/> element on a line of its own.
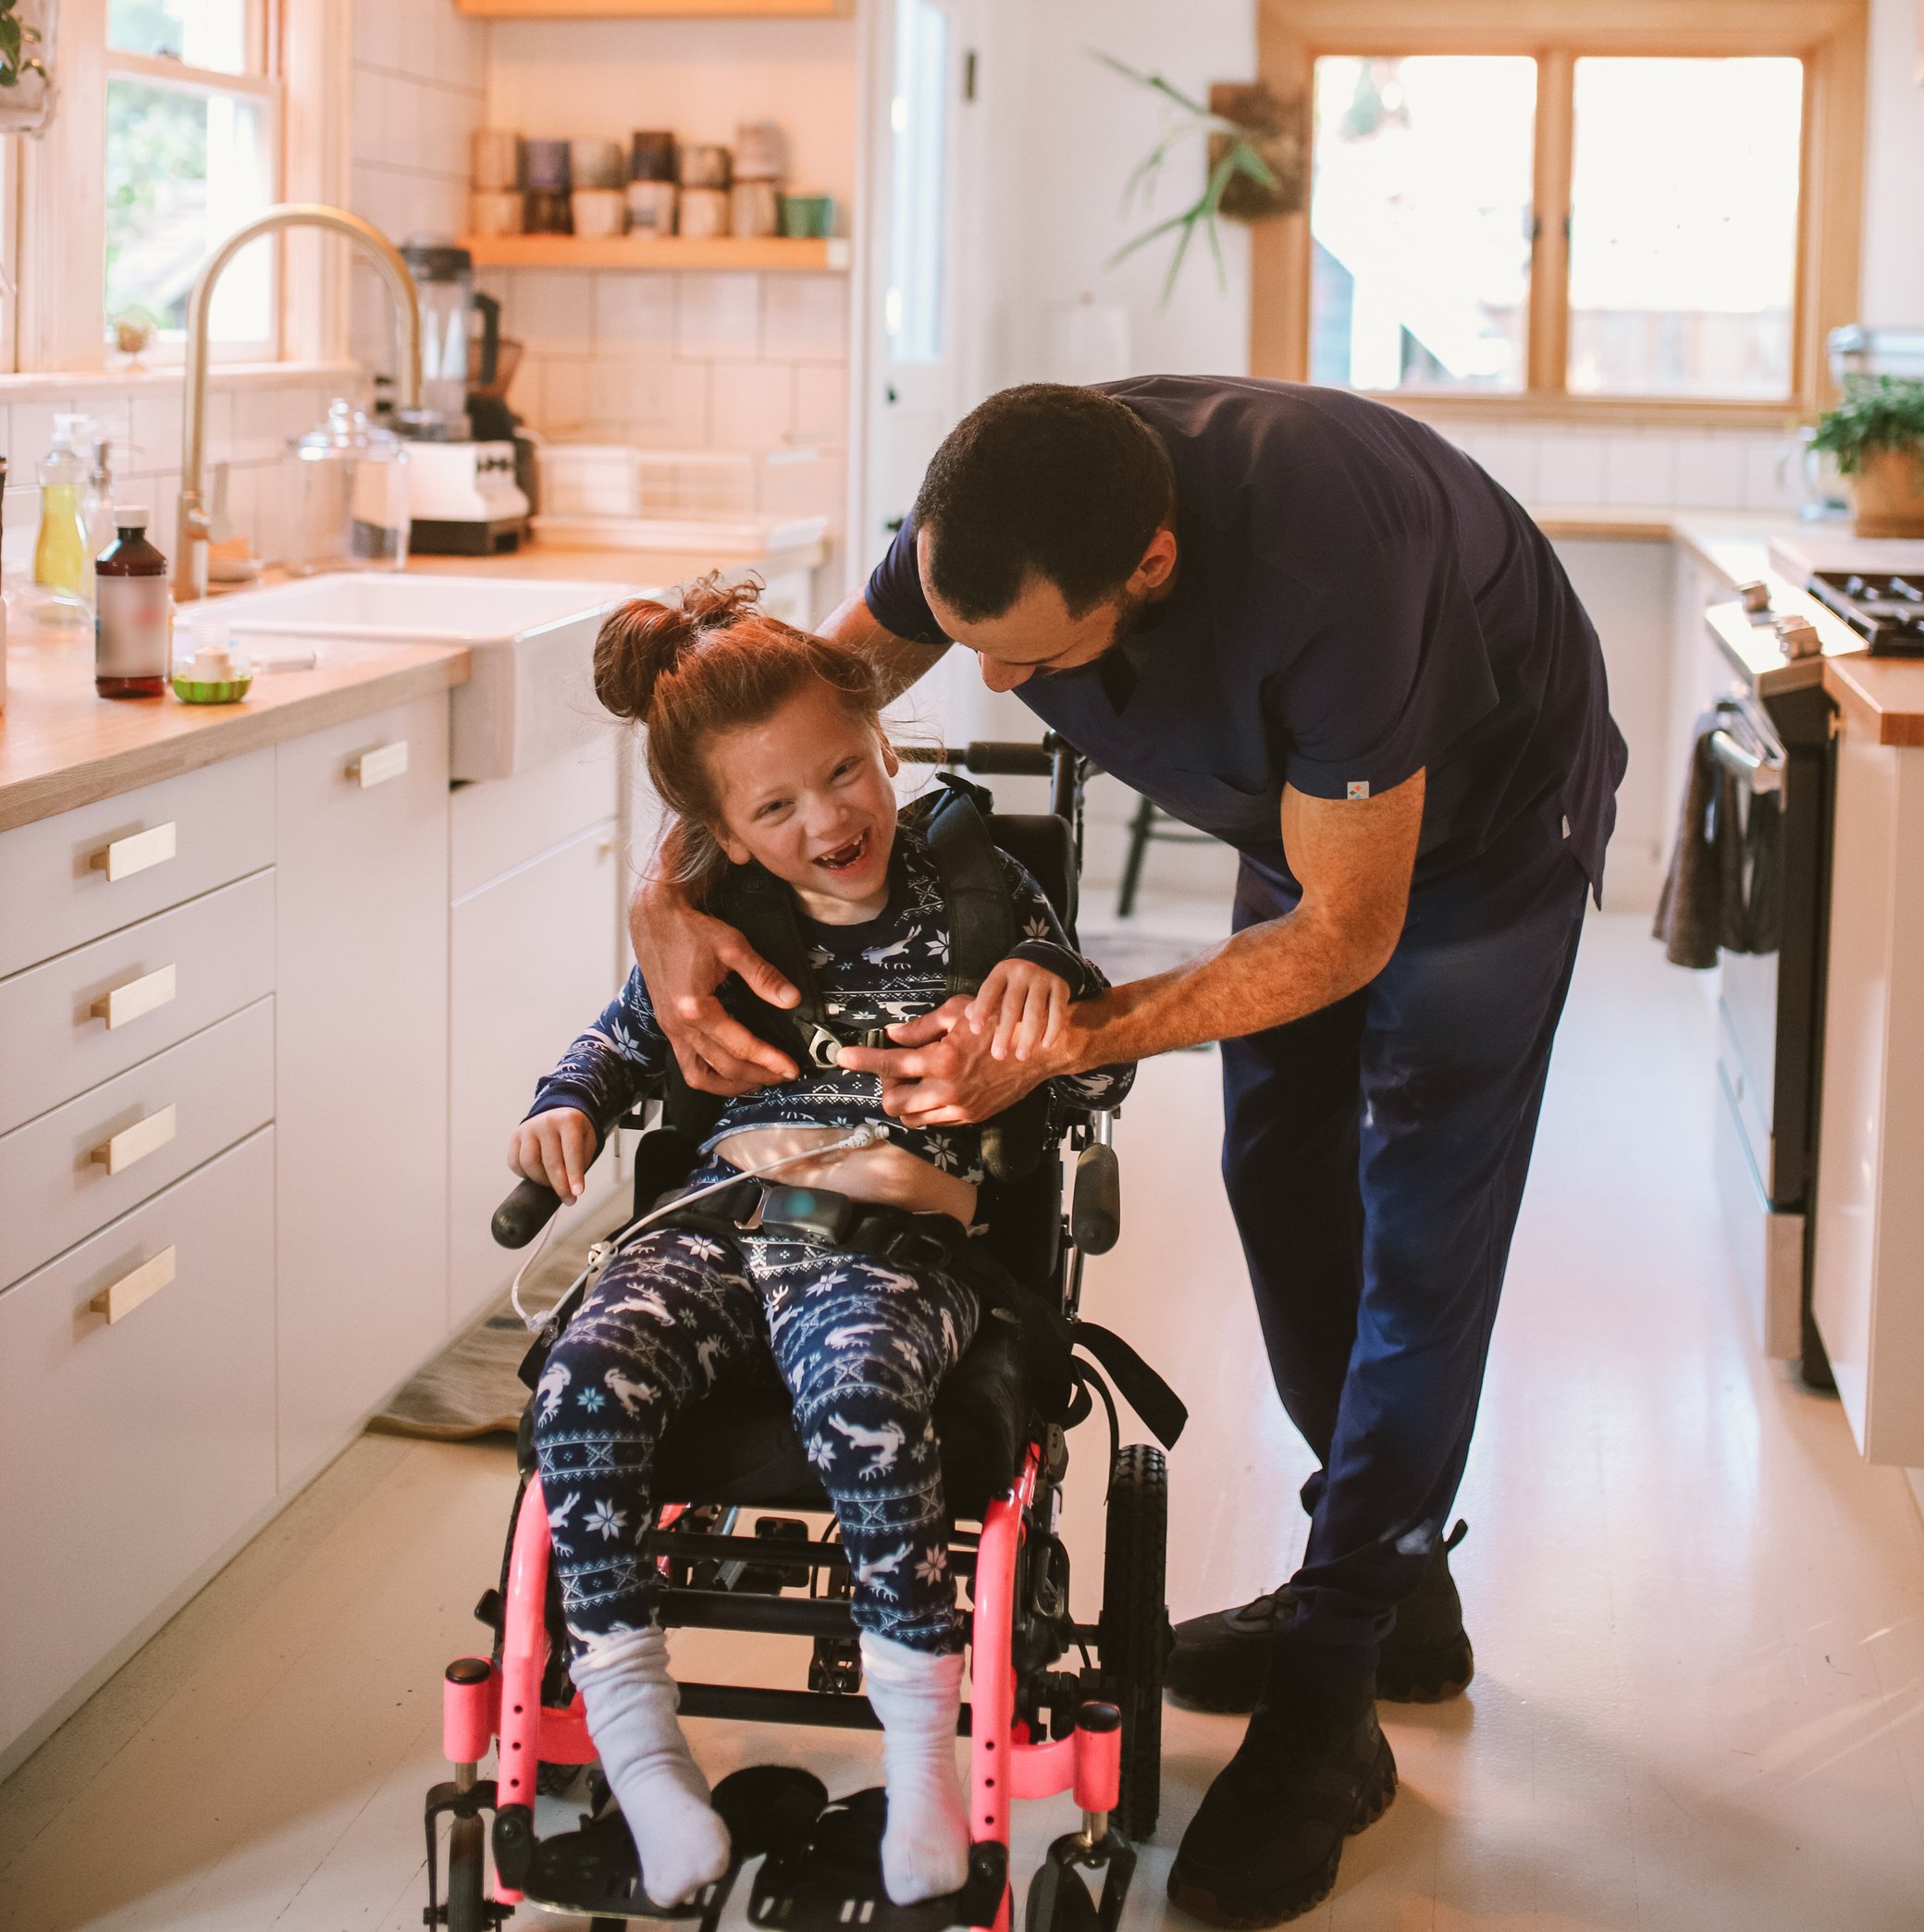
<point x="531" y="694"/>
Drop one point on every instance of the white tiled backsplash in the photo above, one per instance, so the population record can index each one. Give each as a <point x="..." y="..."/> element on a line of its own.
<point x="251" y="419"/>
<point x="686" y="362"/>
<point x="1547" y="465"/>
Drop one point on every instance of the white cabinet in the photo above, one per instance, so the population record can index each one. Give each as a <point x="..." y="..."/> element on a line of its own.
<point x="361" y="967"/>
<point x="533" y="965"/>
<point x="135" y="1449"/>
<point x="1868" y="1278"/>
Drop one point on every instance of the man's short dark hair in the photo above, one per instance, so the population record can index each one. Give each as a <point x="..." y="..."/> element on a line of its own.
<point x="1048" y="480"/>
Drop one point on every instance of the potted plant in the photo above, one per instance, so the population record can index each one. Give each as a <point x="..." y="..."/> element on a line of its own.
<point x="26" y="79"/>
<point x="1876" y="435"/>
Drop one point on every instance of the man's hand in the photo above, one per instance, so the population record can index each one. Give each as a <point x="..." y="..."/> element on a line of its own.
<point x="942" y="1073"/>
<point x="685" y="955"/>
<point x="557" y="1146"/>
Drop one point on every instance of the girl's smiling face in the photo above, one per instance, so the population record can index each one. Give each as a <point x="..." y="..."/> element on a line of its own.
<point x="807" y="792"/>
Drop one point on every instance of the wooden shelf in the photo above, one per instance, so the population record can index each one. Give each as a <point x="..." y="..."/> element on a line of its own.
<point x="654" y="252"/>
<point x="654" y="9"/>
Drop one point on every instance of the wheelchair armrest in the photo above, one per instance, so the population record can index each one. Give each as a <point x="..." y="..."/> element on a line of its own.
<point x="525" y="1213"/>
<point x="1095" y="1219"/>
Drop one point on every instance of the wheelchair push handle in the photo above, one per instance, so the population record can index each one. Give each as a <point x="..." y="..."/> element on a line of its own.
<point x="990" y="757"/>
<point x="1095" y="1219"/>
<point x="525" y="1213"/>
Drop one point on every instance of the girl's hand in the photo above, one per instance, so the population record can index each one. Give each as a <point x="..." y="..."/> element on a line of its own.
<point x="555" y="1148"/>
<point x="1023" y="1005"/>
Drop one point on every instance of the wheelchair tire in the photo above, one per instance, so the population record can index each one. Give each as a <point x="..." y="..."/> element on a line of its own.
<point x="467" y="1877"/>
<point x="1133" y="1639"/>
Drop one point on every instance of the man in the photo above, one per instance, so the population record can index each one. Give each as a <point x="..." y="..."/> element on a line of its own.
<point x="1301" y="622"/>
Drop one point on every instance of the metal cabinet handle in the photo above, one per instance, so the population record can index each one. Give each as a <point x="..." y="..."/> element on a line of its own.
<point x="127" y="1293"/>
<point x="1760" y="774"/>
<point x="138" y="996"/>
<point x="124" y="858"/>
<point x="117" y="1153"/>
<point x="377" y="767"/>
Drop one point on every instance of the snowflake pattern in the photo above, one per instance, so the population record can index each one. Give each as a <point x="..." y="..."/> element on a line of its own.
<point x="888" y="970"/>
<point x="592" y="1399"/>
<point x="605" y="1521"/>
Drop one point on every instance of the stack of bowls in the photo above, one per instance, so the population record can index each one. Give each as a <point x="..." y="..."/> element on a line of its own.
<point x="704" y="201"/>
<point x="495" y="203"/>
<point x="599" y="175"/>
<point x="760" y="161"/>
<point x="544" y="168"/>
<point x="651" y="189"/>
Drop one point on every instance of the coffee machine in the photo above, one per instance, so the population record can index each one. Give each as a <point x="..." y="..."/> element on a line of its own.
<point x="462" y="492"/>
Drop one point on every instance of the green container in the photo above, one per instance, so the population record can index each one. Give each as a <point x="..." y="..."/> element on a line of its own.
<point x="228" y="691"/>
<point x="809" y="217"/>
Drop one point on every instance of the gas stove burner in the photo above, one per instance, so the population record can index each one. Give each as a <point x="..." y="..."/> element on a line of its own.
<point x="1884" y="607"/>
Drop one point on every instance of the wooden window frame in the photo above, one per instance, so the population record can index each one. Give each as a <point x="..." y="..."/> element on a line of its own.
<point x="1828" y="36"/>
<point x="56" y="209"/>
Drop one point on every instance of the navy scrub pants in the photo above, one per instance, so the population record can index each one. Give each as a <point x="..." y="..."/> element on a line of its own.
<point x="1375" y="1156"/>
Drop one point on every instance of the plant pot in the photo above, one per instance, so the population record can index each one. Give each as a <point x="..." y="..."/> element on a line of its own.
<point x="1887" y="494"/>
<point x="27" y="108"/>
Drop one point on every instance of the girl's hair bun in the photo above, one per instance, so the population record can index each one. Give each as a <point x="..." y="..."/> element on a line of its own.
<point x="645" y="642"/>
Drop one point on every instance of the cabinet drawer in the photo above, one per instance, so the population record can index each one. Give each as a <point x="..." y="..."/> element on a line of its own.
<point x="158" y="982"/>
<point x="78" y="1167"/>
<point x="134" y="1449"/>
<point x="101" y="866"/>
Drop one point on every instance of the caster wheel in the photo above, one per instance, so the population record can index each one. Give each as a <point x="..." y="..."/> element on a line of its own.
<point x="467" y="1878"/>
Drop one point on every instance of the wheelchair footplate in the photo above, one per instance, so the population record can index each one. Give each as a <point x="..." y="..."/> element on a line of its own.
<point x="593" y="1871"/>
<point x="829" y="1879"/>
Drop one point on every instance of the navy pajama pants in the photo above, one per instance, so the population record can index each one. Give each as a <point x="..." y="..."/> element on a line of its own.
<point x="1375" y="1156"/>
<point x="862" y="1345"/>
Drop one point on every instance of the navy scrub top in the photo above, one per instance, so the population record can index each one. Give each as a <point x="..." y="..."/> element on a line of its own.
<point x="1355" y="601"/>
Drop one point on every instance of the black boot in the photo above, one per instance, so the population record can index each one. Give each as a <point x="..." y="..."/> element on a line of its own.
<point x="1314" y="1768"/>
<point x="1218" y="1661"/>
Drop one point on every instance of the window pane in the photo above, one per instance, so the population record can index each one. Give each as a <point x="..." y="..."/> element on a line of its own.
<point x="204" y="34"/>
<point x="184" y="170"/>
<point x="1684" y="227"/>
<point x="1420" y="221"/>
<point x="918" y="224"/>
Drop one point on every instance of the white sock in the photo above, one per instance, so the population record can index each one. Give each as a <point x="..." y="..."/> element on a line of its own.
<point x="925" y="1850"/>
<point x="630" y="1701"/>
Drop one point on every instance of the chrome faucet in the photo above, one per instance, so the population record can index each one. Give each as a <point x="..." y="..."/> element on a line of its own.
<point x="194" y="525"/>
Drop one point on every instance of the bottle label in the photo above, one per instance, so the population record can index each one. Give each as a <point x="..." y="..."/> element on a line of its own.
<point x="130" y="626"/>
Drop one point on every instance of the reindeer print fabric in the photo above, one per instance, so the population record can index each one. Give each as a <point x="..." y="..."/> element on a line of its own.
<point x="861" y="1346"/>
<point x="891" y="967"/>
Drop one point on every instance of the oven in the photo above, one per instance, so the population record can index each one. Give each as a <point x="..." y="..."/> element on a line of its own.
<point x="1775" y="745"/>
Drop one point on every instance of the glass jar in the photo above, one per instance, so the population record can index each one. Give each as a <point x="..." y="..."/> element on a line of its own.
<point x="349" y="488"/>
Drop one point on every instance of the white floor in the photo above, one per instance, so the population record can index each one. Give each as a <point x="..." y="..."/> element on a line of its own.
<point x="1699" y="1618"/>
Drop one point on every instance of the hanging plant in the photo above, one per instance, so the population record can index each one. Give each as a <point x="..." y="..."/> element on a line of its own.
<point x="1257" y="163"/>
<point x="26" y="47"/>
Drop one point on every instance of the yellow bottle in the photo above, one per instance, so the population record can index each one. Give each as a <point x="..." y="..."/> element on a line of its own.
<point x="60" y="560"/>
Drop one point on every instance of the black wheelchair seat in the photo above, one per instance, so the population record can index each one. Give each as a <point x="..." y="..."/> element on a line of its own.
<point x="740" y="1446"/>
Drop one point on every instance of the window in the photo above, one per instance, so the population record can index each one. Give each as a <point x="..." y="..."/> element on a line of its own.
<point x="917" y="125"/>
<point x="192" y="147"/>
<point x="1606" y="205"/>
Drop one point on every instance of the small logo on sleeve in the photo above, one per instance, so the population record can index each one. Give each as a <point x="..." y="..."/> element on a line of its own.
<point x="1359" y="788"/>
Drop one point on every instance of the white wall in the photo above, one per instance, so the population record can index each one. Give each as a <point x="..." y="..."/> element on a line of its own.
<point x="1893" y="183"/>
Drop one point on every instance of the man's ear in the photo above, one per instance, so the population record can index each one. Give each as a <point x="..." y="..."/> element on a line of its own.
<point x="1157" y="564"/>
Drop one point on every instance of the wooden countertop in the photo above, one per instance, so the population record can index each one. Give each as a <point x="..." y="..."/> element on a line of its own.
<point x="63" y="745"/>
<point x="642" y="570"/>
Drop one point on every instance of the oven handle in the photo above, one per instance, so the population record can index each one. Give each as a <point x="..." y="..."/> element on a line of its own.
<point x="1759" y="773"/>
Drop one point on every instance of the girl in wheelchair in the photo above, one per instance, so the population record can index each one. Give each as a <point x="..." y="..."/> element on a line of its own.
<point x="768" y="746"/>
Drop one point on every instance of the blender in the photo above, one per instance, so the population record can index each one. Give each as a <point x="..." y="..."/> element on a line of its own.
<point x="462" y="494"/>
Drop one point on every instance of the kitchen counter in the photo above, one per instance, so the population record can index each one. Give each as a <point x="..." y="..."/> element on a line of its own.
<point x="61" y="745"/>
<point x="643" y="568"/>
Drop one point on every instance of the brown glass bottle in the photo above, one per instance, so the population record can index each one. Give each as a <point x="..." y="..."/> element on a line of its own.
<point x="131" y="618"/>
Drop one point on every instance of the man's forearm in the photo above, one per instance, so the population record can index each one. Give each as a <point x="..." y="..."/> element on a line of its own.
<point x="900" y="662"/>
<point x="1264" y="976"/>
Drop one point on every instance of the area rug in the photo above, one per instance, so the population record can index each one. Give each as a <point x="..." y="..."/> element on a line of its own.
<point x="470" y="1389"/>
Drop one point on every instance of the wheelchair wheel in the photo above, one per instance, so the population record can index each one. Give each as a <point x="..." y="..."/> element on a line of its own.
<point x="467" y="1877"/>
<point x="1134" y="1630"/>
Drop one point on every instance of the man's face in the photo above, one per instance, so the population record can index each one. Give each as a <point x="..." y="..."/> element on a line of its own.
<point x="1036" y="633"/>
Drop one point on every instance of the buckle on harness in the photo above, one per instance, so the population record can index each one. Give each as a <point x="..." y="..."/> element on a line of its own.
<point x="825" y="1048"/>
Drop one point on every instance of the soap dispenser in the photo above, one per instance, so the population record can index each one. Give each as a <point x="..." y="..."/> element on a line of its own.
<point x="97" y="507"/>
<point x="61" y="560"/>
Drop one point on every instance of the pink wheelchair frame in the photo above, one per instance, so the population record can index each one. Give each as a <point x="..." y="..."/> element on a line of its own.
<point x="482" y="1705"/>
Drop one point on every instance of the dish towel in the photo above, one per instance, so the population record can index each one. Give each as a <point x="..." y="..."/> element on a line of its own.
<point x="1722" y="889"/>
